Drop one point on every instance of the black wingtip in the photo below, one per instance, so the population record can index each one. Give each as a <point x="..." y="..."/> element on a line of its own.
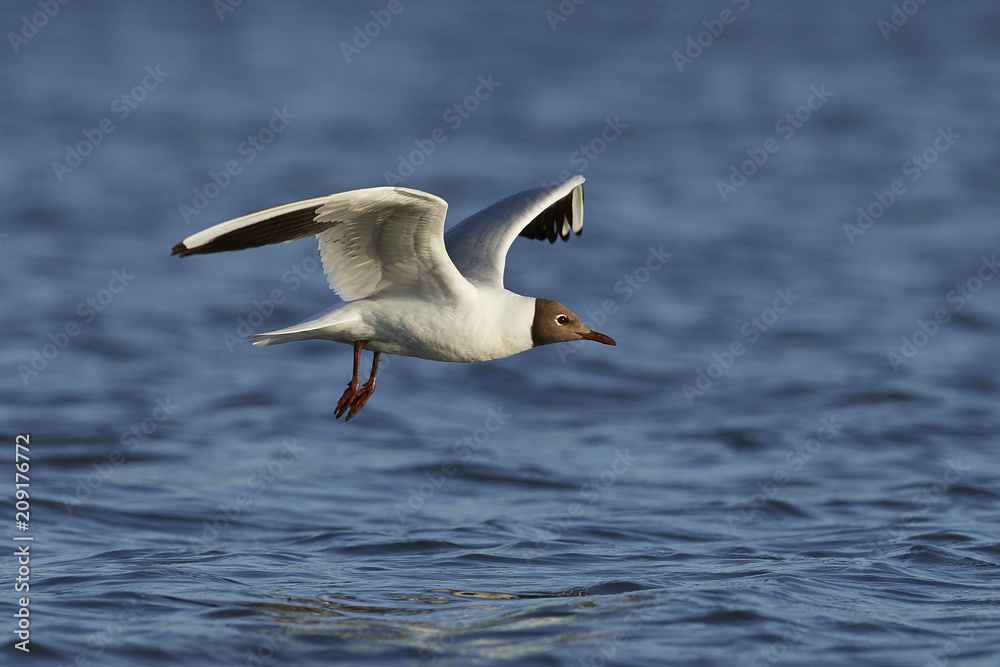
<point x="549" y="224"/>
<point x="289" y="226"/>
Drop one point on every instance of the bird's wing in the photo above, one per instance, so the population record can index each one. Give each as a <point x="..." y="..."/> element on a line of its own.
<point x="478" y="245"/>
<point x="374" y="240"/>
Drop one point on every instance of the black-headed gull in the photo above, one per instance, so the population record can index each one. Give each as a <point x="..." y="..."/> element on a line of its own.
<point x="409" y="288"/>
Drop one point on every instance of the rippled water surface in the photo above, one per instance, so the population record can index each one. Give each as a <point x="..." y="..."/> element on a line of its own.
<point x="791" y="231"/>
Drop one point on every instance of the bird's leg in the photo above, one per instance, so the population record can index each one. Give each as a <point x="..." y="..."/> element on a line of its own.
<point x="352" y="387"/>
<point x="355" y="397"/>
<point x="367" y="389"/>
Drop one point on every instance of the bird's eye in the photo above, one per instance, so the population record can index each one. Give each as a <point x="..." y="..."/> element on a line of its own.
<point x="561" y="319"/>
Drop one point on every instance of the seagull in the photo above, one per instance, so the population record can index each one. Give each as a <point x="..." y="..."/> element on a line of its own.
<point x="407" y="287"/>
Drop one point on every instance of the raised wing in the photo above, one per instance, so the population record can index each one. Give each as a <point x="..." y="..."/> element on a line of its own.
<point x="374" y="240"/>
<point x="478" y="245"/>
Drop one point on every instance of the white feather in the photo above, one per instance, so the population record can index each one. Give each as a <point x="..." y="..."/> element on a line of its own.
<point x="478" y="245"/>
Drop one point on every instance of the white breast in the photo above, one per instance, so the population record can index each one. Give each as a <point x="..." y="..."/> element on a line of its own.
<point x="496" y="324"/>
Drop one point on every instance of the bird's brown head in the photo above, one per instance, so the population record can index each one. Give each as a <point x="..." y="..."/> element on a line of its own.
<point x="555" y="323"/>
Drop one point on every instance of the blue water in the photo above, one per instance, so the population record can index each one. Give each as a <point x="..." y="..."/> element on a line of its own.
<point x="790" y="458"/>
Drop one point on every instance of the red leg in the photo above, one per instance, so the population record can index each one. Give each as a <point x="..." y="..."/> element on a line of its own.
<point x="352" y="387"/>
<point x="367" y="389"/>
<point x="355" y="397"/>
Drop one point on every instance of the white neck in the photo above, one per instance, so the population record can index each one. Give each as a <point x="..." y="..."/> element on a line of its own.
<point x="507" y="319"/>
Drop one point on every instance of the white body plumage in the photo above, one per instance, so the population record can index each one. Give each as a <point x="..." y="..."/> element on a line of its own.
<point x="493" y="324"/>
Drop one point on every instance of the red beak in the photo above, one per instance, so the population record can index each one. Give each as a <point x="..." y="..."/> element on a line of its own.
<point x="598" y="337"/>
